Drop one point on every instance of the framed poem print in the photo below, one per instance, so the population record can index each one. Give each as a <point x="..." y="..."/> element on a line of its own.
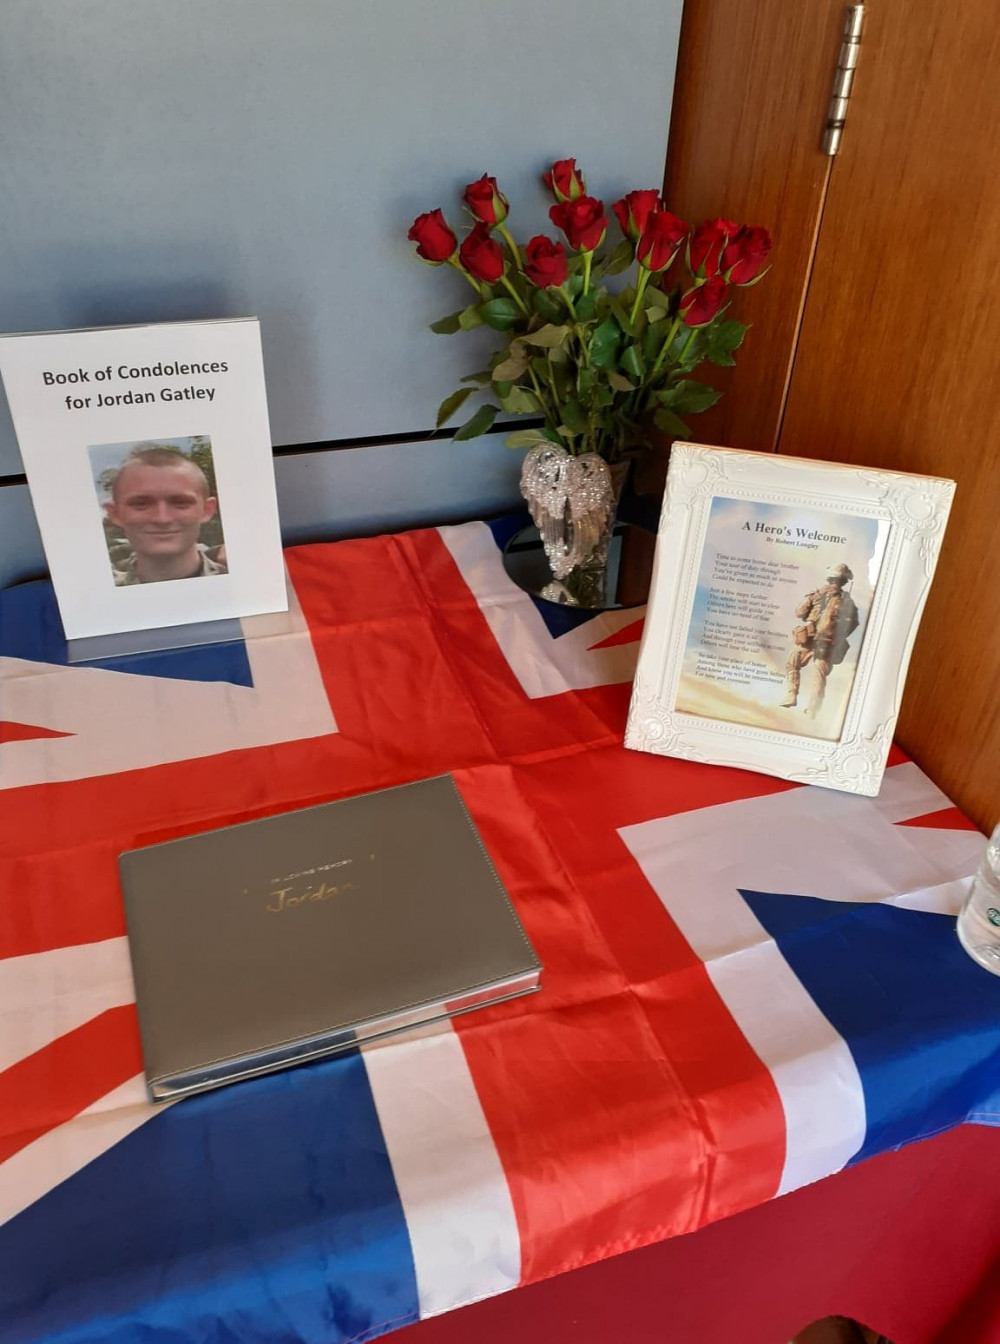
<point x="785" y="599"/>
<point x="149" y="460"/>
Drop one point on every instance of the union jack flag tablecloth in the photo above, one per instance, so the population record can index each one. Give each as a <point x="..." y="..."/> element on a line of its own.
<point x="749" y="985"/>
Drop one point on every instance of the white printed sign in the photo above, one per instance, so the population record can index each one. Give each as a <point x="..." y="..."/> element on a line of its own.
<point x="148" y="455"/>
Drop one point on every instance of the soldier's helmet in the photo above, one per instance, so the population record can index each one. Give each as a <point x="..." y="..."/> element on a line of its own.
<point x="839" y="574"/>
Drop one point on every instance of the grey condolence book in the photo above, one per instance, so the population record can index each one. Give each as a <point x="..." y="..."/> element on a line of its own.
<point x="301" y="935"/>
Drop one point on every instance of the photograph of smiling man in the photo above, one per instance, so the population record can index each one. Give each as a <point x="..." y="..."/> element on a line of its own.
<point x="160" y="509"/>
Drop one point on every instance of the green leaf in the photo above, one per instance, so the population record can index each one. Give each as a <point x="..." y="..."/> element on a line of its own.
<point x="722" y="340"/>
<point x="482" y="378"/>
<point x="586" y="306"/>
<point x="526" y="438"/>
<point x="574" y="417"/>
<point x="671" y="424"/>
<point x="519" y="401"/>
<point x="469" y="317"/>
<point x="621" y="316"/>
<point x="479" y="424"/>
<point x="620" y="259"/>
<point x="655" y="313"/>
<point x="500" y="314"/>
<point x="631" y="362"/>
<point x="548" y="305"/>
<point x="548" y="337"/>
<point x="511" y="368"/>
<point x="451" y="404"/>
<point x="445" y="326"/>
<point x="604" y="345"/>
<point x="619" y="382"/>
<point x="652" y="342"/>
<point x="689" y="397"/>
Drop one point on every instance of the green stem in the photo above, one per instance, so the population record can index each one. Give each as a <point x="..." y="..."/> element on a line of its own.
<point x="462" y="271"/>
<point x="511" y="244"/>
<point x="688" y="344"/>
<point x="568" y="302"/>
<point x="555" y="393"/>
<point x="540" y="395"/>
<point x="642" y="280"/>
<point x="514" y="295"/>
<point x="654" y="372"/>
<point x="587" y="259"/>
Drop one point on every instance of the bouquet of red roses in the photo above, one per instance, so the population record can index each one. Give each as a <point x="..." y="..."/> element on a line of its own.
<point x="601" y="366"/>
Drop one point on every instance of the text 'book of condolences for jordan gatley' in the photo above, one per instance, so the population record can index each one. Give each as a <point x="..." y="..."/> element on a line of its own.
<point x="148" y="453"/>
<point x="283" y="940"/>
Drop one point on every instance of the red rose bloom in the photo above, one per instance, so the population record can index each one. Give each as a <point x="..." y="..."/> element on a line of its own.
<point x="707" y="244"/>
<point x="699" y="306"/>
<point x="481" y="256"/>
<point x="633" y="210"/>
<point x="583" y="221"/>
<point x="661" y="237"/>
<point x="545" y="262"/>
<point x="486" y="201"/>
<point x="746" y="255"/>
<point x="435" y="241"/>
<point x="565" y="180"/>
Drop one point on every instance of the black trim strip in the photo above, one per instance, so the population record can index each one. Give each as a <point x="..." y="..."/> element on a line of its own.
<point x="339" y="445"/>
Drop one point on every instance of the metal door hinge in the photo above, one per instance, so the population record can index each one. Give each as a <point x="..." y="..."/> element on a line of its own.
<point x="843" y="78"/>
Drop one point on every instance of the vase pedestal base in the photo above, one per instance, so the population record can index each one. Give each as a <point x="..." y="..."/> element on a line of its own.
<point x="622" y="582"/>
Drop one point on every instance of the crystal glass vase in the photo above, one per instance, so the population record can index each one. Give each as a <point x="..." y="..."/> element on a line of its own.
<point x="573" y="502"/>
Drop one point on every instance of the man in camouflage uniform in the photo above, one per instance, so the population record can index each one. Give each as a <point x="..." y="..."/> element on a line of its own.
<point x="160" y="500"/>
<point x="829" y="617"/>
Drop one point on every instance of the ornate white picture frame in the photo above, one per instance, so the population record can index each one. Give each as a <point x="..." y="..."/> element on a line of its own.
<point x="785" y="600"/>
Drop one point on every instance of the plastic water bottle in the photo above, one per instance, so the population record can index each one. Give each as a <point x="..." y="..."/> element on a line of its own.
<point x="979" y="922"/>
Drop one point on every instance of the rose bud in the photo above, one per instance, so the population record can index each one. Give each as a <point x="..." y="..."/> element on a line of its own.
<point x="633" y="210"/>
<point x="661" y="237"/>
<point x="565" y="180"/>
<point x="583" y="221"/>
<point x="435" y="241"/>
<point x="745" y="256"/>
<point x="707" y="244"/>
<point x="486" y="201"/>
<point x="545" y="262"/>
<point x="700" y="305"/>
<point x="481" y="256"/>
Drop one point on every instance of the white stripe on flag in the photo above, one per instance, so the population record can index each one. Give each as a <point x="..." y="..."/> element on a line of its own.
<point x="542" y="664"/>
<point x="44" y="995"/>
<point x="60" y="1153"/>
<point x="454" y="1193"/>
<point x="127" y="721"/>
<point x="806" y="842"/>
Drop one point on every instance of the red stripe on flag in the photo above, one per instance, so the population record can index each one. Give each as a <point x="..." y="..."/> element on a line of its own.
<point x="25" y="732"/>
<point x="54" y="1084"/>
<point x="628" y="634"/>
<point x="620" y="1077"/>
<point x="593" y="1081"/>
<point x="948" y="819"/>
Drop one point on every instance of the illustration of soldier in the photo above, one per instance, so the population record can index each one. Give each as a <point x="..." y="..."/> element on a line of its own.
<point x="829" y="617"/>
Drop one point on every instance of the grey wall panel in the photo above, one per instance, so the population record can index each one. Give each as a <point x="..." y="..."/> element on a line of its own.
<point x="206" y="158"/>
<point x="350" y="492"/>
<point x="360" y="491"/>
<point x="21" y="554"/>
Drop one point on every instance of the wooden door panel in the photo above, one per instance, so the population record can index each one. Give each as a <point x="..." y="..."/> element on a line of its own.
<point x="753" y="85"/>
<point x="897" y="360"/>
